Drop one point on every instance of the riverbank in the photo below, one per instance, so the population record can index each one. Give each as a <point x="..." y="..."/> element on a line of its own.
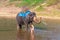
<point x="14" y="15"/>
<point x="11" y="12"/>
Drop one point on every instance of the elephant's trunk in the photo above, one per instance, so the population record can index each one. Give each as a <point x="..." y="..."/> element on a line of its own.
<point x="37" y="19"/>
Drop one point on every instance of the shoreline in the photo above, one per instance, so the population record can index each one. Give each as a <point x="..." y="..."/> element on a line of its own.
<point x="50" y="17"/>
<point x="13" y="16"/>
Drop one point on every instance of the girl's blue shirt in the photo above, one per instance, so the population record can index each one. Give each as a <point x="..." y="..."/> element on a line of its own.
<point x="24" y="14"/>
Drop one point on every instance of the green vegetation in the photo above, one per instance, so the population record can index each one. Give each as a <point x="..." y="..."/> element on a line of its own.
<point x="38" y="7"/>
<point x="28" y="2"/>
<point x="52" y="2"/>
<point x="40" y="26"/>
<point x="35" y="3"/>
<point x="8" y="26"/>
<point x="42" y="7"/>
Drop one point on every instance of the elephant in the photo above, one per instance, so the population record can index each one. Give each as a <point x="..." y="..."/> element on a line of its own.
<point x="28" y="20"/>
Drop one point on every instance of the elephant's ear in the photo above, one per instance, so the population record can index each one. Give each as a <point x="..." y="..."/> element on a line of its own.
<point x="28" y="16"/>
<point x="32" y="14"/>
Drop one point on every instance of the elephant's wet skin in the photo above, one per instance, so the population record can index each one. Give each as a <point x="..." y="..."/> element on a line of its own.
<point x="28" y="20"/>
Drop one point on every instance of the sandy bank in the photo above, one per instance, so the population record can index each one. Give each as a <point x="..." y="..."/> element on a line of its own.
<point x="13" y="16"/>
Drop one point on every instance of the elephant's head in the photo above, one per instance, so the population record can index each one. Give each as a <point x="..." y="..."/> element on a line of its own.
<point x="34" y="18"/>
<point x="37" y="19"/>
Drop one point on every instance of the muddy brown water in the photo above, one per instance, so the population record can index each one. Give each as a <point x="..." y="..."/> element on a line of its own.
<point x="24" y="35"/>
<point x="52" y="31"/>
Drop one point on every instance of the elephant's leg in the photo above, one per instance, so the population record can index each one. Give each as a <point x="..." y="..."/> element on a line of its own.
<point x="26" y="27"/>
<point x="19" y="26"/>
<point x="37" y="19"/>
<point x="31" y="28"/>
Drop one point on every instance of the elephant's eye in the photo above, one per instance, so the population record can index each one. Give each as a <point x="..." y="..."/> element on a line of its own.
<point x="31" y="15"/>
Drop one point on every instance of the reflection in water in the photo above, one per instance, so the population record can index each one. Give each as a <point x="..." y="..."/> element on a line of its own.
<point x="52" y="32"/>
<point x="25" y="35"/>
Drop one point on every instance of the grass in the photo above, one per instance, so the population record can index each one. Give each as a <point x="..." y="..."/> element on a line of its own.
<point x="27" y="2"/>
<point x="34" y="3"/>
<point x="52" y="2"/>
<point x="51" y="13"/>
